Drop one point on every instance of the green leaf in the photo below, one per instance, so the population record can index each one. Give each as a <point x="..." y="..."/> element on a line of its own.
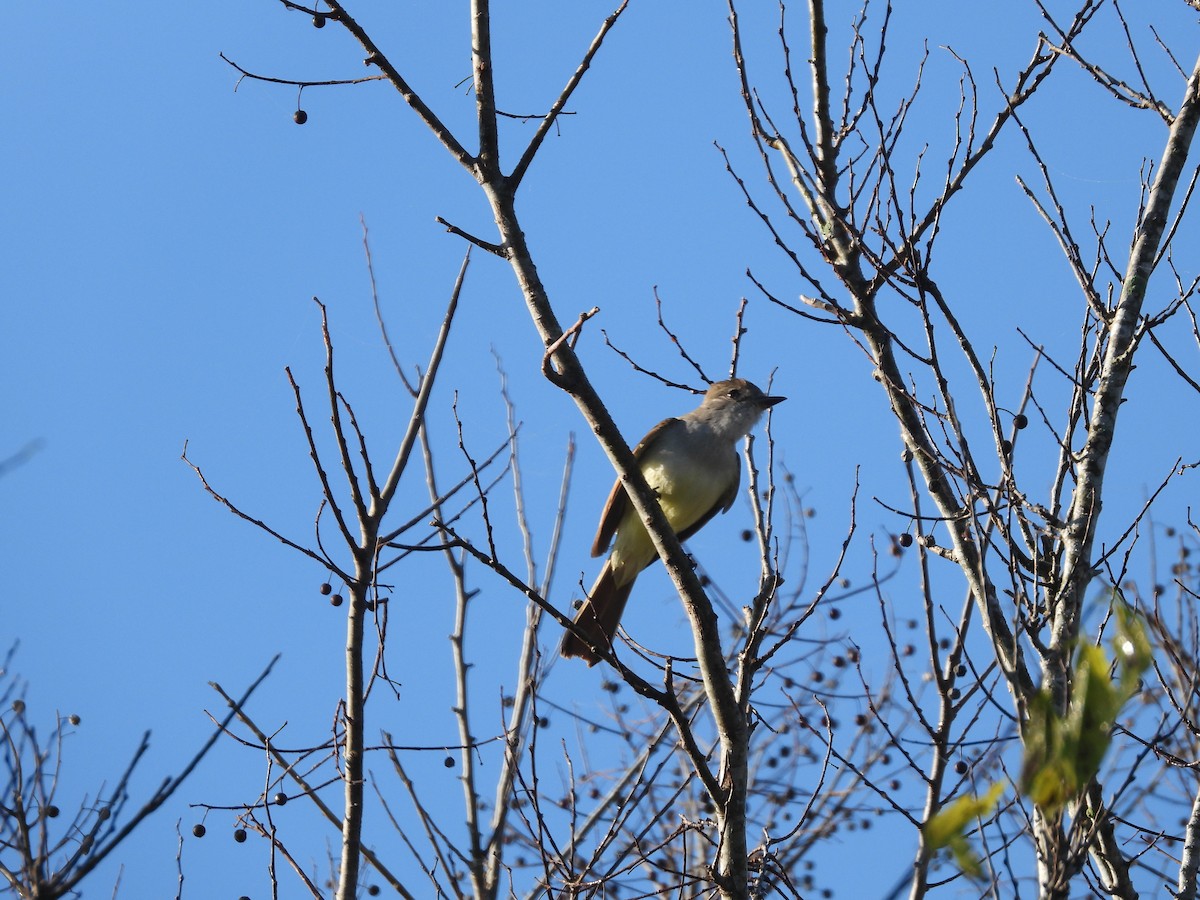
<point x="1045" y="772"/>
<point x="1064" y="752"/>
<point x="1095" y="702"/>
<point x="948" y="828"/>
<point x="1131" y="648"/>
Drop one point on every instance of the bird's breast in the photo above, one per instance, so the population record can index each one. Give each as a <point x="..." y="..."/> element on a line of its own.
<point x="688" y="486"/>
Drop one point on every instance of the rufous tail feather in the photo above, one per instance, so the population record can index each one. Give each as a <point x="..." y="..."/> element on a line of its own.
<point x="599" y="616"/>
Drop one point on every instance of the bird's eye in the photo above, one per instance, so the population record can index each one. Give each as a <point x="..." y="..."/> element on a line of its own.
<point x="734" y="393"/>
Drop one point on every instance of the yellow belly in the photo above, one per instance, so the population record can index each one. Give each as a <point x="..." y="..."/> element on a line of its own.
<point x="686" y="491"/>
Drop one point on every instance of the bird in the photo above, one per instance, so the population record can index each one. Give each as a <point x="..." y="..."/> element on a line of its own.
<point x="692" y="465"/>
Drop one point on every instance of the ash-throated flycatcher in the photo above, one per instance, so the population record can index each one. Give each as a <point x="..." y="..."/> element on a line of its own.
<point x="692" y="465"/>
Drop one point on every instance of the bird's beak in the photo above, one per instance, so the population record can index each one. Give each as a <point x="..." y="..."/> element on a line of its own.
<point x="768" y="402"/>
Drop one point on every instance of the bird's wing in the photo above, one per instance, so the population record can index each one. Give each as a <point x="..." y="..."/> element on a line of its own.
<point x="618" y="500"/>
<point x="722" y="505"/>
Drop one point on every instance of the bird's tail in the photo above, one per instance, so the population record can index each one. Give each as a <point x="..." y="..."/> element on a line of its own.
<point x="599" y="616"/>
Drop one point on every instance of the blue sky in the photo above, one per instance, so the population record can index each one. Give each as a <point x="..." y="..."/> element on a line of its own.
<point x="163" y="236"/>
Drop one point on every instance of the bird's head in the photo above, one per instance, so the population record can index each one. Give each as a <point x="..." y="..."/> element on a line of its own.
<point x="735" y="406"/>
